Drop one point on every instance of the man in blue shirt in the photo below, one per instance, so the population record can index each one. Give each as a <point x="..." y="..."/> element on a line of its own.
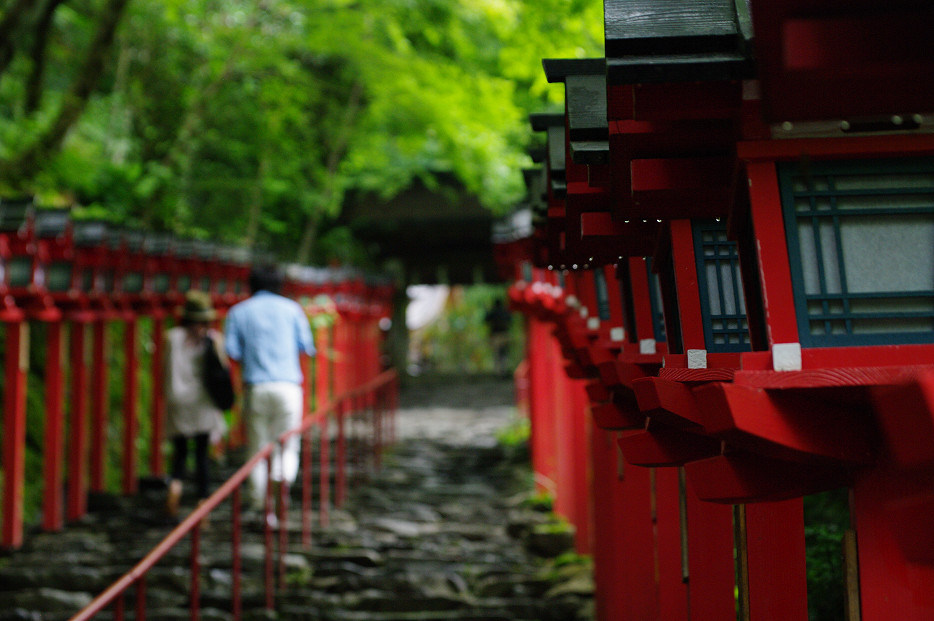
<point x="266" y="334"/>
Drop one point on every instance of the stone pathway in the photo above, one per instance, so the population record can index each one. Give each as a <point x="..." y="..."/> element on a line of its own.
<point x="444" y="532"/>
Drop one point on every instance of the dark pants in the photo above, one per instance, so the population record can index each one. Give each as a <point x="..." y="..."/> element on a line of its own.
<point x="180" y="460"/>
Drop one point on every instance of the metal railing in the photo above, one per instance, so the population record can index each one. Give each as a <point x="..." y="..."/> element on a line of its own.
<point x="368" y="410"/>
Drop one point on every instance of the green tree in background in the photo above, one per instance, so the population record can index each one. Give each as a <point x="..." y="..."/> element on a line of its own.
<point x="249" y="120"/>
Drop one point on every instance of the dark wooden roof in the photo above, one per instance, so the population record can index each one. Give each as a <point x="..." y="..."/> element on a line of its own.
<point x="553" y="125"/>
<point x="859" y="60"/>
<point x="438" y="233"/>
<point x="585" y="96"/>
<point x="677" y="40"/>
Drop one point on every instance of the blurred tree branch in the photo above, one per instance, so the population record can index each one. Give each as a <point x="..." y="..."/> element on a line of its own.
<point x="27" y="162"/>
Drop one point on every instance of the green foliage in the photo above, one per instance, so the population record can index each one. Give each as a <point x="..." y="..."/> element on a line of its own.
<point x="540" y="501"/>
<point x="514" y="439"/>
<point x="249" y="122"/>
<point x="516" y="433"/>
<point x="826" y="520"/>
<point x="572" y="559"/>
<point x="36" y="408"/>
<point x="459" y="340"/>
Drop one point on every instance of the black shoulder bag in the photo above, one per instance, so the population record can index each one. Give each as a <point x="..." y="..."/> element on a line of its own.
<point x="217" y="380"/>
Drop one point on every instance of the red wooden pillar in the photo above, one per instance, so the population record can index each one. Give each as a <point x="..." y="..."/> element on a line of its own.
<point x="775" y="560"/>
<point x="53" y="453"/>
<point x="99" y="405"/>
<point x="541" y="386"/>
<point x="323" y="368"/>
<point x="632" y="503"/>
<point x="774" y="270"/>
<point x="606" y="555"/>
<point x="237" y="423"/>
<point x="340" y="491"/>
<point x="671" y="529"/>
<point x="685" y="268"/>
<point x="324" y="474"/>
<point x="711" y="569"/>
<point x="156" y="461"/>
<point x="624" y="539"/>
<point x="78" y="425"/>
<point x="890" y="586"/>
<point x="130" y="390"/>
<point x="561" y="423"/>
<point x="16" y="363"/>
<point x="710" y="564"/>
<point x="580" y="420"/>
<point x="307" y="382"/>
<point x="340" y="353"/>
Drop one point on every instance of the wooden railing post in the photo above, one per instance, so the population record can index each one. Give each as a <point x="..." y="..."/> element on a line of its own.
<point x="78" y="427"/>
<point x="130" y="391"/>
<point x="14" y="431"/>
<point x="53" y="452"/>
<point x="98" y="405"/>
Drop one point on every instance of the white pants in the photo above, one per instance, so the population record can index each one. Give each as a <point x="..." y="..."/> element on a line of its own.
<point x="271" y="409"/>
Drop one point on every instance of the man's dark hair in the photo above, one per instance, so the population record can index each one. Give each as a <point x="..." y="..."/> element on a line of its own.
<point x="265" y="278"/>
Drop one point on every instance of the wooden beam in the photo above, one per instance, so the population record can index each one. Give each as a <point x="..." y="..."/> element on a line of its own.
<point x="797" y="426"/>
<point x="667" y="402"/>
<point x="742" y="477"/>
<point x="667" y="447"/>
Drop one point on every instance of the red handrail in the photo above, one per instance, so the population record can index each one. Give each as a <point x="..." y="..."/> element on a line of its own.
<point x="384" y="385"/>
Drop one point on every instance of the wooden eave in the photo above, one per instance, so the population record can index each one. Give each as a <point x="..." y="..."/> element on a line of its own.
<point x="837" y="60"/>
<point x="651" y="41"/>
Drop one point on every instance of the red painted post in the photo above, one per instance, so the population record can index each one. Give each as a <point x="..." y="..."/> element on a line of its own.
<point x="119" y="605"/>
<point x="195" y="571"/>
<point x="624" y="523"/>
<point x="341" y="458"/>
<point x="775" y="560"/>
<point x="685" y="268"/>
<point x="156" y="461"/>
<point x="53" y="454"/>
<point x="236" y="562"/>
<point x="377" y="415"/>
<point x="673" y="602"/>
<point x="307" y="383"/>
<point x="141" y="598"/>
<point x="130" y="422"/>
<point x="711" y="568"/>
<point x="890" y="585"/>
<point x="561" y="423"/>
<point x="323" y="368"/>
<point x="267" y="537"/>
<point x="580" y="419"/>
<point x="99" y="405"/>
<point x="78" y="425"/>
<point x="540" y="348"/>
<point x="324" y="469"/>
<point x="16" y="363"/>
<point x="283" y="526"/>
<point x="775" y="271"/>
<point x="633" y="508"/>
<point x="341" y="355"/>
<point x="306" y="487"/>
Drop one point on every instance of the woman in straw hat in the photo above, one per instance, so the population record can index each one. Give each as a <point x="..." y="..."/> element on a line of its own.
<point x="190" y="413"/>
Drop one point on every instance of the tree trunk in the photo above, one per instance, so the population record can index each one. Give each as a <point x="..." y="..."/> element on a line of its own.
<point x="28" y="162"/>
<point x="34" y="83"/>
<point x="8" y="25"/>
<point x="335" y="155"/>
<point x="256" y="202"/>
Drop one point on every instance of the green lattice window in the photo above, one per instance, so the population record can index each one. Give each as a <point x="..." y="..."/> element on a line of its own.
<point x="860" y="243"/>
<point x="603" y="296"/>
<point x="721" y="289"/>
<point x="655" y="301"/>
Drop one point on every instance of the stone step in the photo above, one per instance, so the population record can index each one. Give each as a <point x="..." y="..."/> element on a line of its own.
<point x="437" y="535"/>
